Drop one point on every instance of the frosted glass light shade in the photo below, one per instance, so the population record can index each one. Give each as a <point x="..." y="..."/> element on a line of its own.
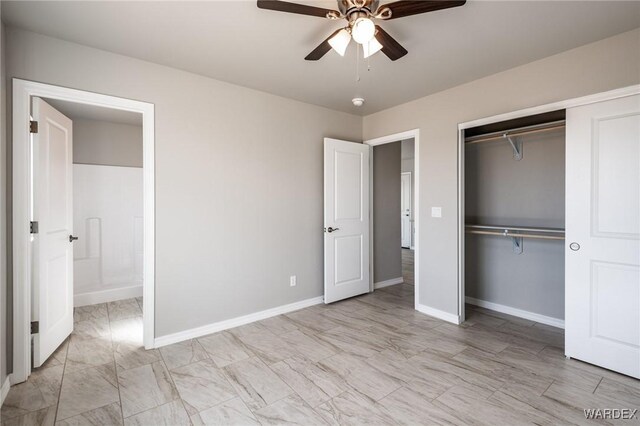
<point x="363" y="30"/>
<point x="340" y="41"/>
<point x="370" y="48"/>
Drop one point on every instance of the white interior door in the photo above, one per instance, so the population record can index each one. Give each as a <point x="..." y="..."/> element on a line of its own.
<point x="346" y="219"/>
<point x="52" y="289"/>
<point x="603" y="234"/>
<point x="405" y="210"/>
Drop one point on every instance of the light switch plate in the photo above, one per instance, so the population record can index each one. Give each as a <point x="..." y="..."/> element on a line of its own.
<point x="436" y="211"/>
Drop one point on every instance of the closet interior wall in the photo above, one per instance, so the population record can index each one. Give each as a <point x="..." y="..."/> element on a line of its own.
<point x="503" y="191"/>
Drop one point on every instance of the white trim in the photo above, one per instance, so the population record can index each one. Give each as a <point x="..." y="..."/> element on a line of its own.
<point x="437" y="313"/>
<point x="569" y="103"/>
<point x="396" y="137"/>
<point x="5" y="389"/>
<point x="23" y="90"/>
<point x="235" y="322"/>
<point x="532" y="316"/>
<point x="387" y="283"/>
<point x="108" y="295"/>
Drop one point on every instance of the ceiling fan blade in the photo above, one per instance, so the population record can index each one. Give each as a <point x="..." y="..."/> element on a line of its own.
<point x="390" y="46"/>
<point x="301" y="9"/>
<point x="322" y="49"/>
<point x="400" y="9"/>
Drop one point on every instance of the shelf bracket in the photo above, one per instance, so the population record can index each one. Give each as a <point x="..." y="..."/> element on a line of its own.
<point x="517" y="244"/>
<point x="517" y="241"/>
<point x="516" y="144"/>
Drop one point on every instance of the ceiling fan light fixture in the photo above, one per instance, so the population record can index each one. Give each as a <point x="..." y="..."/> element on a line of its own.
<point x="340" y="41"/>
<point x="372" y="47"/>
<point x="363" y="30"/>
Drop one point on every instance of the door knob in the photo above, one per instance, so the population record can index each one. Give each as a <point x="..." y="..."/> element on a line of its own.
<point x="330" y="229"/>
<point x="72" y="238"/>
<point x="574" y="246"/>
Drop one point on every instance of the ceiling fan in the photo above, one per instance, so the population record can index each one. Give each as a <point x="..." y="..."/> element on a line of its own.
<point x="360" y="16"/>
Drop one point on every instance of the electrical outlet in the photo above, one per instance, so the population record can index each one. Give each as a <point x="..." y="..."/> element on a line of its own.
<point x="292" y="281"/>
<point x="436" y="211"/>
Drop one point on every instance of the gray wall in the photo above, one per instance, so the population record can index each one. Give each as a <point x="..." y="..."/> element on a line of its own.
<point x="106" y="143"/>
<point x="502" y="191"/>
<point x="387" y="257"/>
<point x="238" y="195"/>
<point x="605" y="65"/>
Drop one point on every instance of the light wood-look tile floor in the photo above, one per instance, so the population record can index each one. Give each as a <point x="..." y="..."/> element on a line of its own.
<point x="407" y="266"/>
<point x="367" y="360"/>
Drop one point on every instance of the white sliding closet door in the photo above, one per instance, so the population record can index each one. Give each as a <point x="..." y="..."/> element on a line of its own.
<point x="603" y="235"/>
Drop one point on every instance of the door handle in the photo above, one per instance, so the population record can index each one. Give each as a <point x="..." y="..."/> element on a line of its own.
<point x="574" y="246"/>
<point x="72" y="238"/>
<point x="330" y="229"/>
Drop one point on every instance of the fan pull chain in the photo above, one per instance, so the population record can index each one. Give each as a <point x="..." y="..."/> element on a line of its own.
<point x="357" y="63"/>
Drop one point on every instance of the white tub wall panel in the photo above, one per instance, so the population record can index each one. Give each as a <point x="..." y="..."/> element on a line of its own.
<point x="108" y="222"/>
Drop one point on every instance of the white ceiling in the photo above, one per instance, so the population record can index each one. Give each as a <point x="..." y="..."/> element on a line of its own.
<point x="235" y="41"/>
<point x="76" y="111"/>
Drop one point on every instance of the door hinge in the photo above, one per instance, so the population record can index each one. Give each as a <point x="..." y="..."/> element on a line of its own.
<point x="33" y="227"/>
<point x="33" y="127"/>
<point x="35" y="327"/>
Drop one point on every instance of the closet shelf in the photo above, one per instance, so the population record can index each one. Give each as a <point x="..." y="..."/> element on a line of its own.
<point x="522" y="131"/>
<point x="517" y="231"/>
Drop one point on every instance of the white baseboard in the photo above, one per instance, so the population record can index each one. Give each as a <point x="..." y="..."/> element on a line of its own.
<point x="532" y="316"/>
<point x="436" y="313"/>
<point x="234" y="322"/>
<point x="387" y="283"/>
<point x="104" y="296"/>
<point x="5" y="389"/>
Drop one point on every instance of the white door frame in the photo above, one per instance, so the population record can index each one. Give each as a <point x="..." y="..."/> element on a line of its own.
<point x="23" y="91"/>
<point x="411" y="204"/>
<point x="396" y="137"/>
<point x="569" y="103"/>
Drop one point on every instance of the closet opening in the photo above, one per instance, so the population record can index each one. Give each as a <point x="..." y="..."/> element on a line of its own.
<point x="514" y="213"/>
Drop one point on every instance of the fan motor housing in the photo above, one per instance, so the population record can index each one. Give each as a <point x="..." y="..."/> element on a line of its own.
<point x="349" y="7"/>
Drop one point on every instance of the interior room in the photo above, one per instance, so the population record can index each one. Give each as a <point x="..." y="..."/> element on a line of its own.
<point x="319" y="212"/>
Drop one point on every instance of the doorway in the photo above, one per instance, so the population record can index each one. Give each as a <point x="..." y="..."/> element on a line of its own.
<point x="394" y="195"/>
<point x="33" y="304"/>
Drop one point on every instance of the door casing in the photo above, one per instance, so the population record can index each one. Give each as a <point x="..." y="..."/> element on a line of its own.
<point x="23" y="91"/>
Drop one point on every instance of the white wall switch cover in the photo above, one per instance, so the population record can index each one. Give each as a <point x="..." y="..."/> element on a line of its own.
<point x="436" y="211"/>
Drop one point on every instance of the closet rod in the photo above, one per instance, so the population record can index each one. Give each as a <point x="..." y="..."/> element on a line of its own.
<point x="518" y="235"/>
<point x="515" y="229"/>
<point x="521" y="131"/>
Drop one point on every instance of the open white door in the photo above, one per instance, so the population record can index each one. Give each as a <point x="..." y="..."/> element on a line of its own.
<point x="603" y="235"/>
<point x="52" y="294"/>
<point x="405" y="209"/>
<point x="346" y="219"/>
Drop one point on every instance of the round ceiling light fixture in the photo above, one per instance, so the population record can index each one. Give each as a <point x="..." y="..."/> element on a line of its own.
<point x="357" y="101"/>
<point x="363" y="30"/>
